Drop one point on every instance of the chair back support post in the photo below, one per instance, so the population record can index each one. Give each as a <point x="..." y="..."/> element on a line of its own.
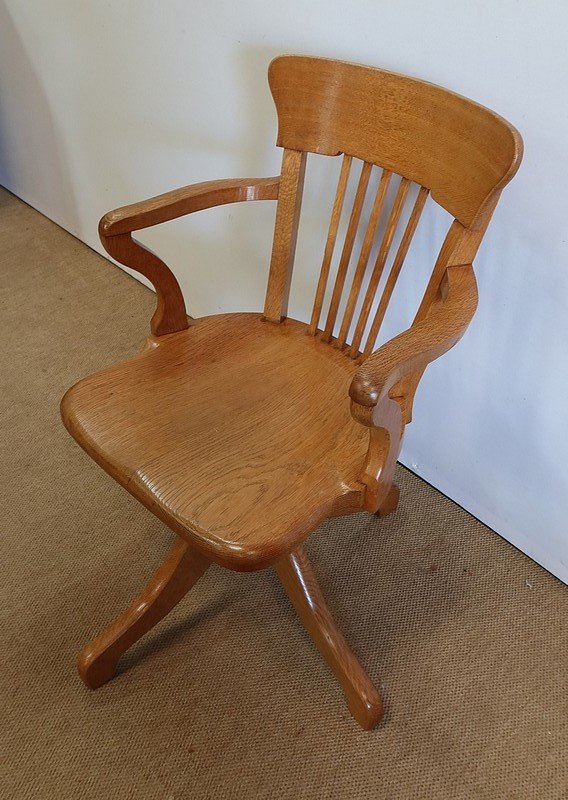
<point x="460" y="247"/>
<point x="285" y="234"/>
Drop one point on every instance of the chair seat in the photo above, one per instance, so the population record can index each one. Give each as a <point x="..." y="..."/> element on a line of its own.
<point x="236" y="432"/>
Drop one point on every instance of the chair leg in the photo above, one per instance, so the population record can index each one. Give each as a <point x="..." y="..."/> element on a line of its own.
<point x="300" y="583"/>
<point x="180" y="571"/>
<point x="390" y="503"/>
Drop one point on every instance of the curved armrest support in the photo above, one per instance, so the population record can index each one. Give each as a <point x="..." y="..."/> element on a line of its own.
<point x="116" y="227"/>
<point x="378" y="391"/>
<point x="411" y="351"/>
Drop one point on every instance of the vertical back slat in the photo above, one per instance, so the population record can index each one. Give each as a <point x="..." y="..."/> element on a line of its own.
<point x="330" y="242"/>
<point x="284" y="247"/>
<point x="396" y="267"/>
<point x="382" y="256"/>
<point x="347" y="249"/>
<point x="285" y="234"/>
<point x="364" y="256"/>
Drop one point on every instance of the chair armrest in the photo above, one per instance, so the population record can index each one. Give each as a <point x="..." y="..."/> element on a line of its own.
<point x="413" y="350"/>
<point x="116" y="227"/>
<point x="381" y="387"/>
<point x="183" y="201"/>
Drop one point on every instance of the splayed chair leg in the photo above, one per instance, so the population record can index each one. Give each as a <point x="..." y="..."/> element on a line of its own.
<point x="300" y="583"/>
<point x="182" y="568"/>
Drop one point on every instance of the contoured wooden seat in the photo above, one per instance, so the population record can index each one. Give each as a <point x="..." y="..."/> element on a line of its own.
<point x="237" y="433"/>
<point x="243" y="432"/>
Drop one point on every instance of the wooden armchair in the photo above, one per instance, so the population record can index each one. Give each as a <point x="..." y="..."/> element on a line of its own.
<point x="236" y="430"/>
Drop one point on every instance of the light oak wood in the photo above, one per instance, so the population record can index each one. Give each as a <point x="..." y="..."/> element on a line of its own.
<point x="444" y="325"/>
<point x="302" y="588"/>
<point x="380" y="262"/>
<point x="285" y="233"/>
<point x="396" y="268"/>
<point x="460" y="247"/>
<point x="386" y="429"/>
<point x="330" y="242"/>
<point x="347" y="250"/>
<point x="170" y="315"/>
<point x="187" y="200"/>
<point x="460" y="150"/>
<point x="116" y="227"/>
<point x="364" y="256"/>
<point x="236" y="430"/>
<point x="180" y="571"/>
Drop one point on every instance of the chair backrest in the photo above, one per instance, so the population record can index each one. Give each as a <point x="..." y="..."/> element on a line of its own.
<point x="456" y="151"/>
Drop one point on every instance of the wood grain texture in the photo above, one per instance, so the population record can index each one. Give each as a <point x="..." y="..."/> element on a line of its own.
<point x="460" y="247"/>
<point x="330" y="241"/>
<point x="235" y="432"/>
<point x="181" y="569"/>
<point x="440" y="330"/>
<point x="366" y="247"/>
<point x="386" y="429"/>
<point x="302" y="588"/>
<point x="347" y="250"/>
<point x="285" y="234"/>
<point x="458" y="149"/>
<point x="395" y="269"/>
<point x="379" y="266"/>
<point x="170" y="314"/>
<point x="115" y="230"/>
<point x="187" y="200"/>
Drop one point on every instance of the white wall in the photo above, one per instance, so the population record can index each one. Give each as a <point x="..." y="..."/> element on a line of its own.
<point x="106" y="103"/>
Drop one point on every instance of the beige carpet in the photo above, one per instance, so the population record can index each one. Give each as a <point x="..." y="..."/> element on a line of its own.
<point x="228" y="698"/>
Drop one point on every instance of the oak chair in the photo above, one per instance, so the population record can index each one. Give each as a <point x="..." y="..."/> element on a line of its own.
<point x="237" y="430"/>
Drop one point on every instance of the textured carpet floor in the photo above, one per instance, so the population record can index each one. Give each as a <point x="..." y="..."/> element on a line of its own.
<point x="228" y="698"/>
